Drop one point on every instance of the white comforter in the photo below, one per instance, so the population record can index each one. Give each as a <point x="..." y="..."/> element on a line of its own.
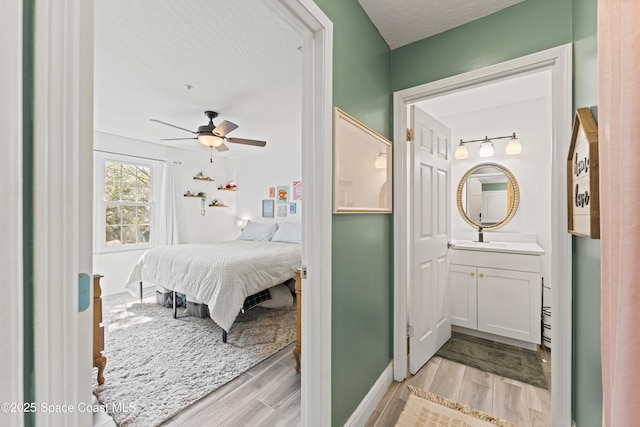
<point x="221" y="275"/>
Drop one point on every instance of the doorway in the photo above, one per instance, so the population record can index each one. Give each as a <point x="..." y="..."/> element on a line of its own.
<point x="66" y="138"/>
<point x="558" y="62"/>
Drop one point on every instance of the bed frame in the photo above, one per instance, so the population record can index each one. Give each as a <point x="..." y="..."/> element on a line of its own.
<point x="175" y="311"/>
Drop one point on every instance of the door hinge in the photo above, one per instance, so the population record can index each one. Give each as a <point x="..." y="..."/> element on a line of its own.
<point x="409" y="135"/>
<point x="303" y="272"/>
<point x="409" y="330"/>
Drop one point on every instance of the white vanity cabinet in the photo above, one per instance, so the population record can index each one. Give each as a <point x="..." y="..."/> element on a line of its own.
<point x="497" y="289"/>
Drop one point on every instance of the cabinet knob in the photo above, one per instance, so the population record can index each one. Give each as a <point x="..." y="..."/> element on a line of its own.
<point x="472" y="274"/>
<point x="481" y="275"/>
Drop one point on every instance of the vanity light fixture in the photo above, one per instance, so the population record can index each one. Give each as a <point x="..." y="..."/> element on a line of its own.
<point x="461" y="151"/>
<point x="513" y="147"/>
<point x="486" y="147"/>
<point x="381" y="161"/>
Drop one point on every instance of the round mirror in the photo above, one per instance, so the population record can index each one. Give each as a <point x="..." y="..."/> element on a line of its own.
<point x="488" y="196"/>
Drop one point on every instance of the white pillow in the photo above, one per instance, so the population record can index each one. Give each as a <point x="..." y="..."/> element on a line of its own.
<point x="288" y="232"/>
<point x="280" y="297"/>
<point x="258" y="231"/>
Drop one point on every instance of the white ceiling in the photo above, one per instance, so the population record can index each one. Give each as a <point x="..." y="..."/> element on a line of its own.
<point x="240" y="58"/>
<point x="404" y="22"/>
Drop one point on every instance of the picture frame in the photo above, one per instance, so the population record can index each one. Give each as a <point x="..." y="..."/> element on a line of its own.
<point x="362" y="167"/>
<point x="267" y="208"/>
<point x="583" y="180"/>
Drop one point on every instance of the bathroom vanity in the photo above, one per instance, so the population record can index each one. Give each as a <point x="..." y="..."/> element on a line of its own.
<point x="496" y="290"/>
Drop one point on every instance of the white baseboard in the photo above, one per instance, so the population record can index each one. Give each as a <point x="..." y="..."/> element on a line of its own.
<point x="364" y="411"/>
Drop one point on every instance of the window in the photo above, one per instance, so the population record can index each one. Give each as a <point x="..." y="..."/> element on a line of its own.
<point x="126" y="202"/>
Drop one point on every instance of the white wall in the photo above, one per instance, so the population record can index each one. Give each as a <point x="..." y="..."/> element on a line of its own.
<point x="256" y="174"/>
<point x="216" y="225"/>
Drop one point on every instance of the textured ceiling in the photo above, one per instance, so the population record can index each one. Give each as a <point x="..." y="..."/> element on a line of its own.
<point x="404" y="22"/>
<point x="239" y="57"/>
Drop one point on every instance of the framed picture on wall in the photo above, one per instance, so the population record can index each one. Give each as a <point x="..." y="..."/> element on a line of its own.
<point x="362" y="179"/>
<point x="267" y="208"/>
<point x="583" y="177"/>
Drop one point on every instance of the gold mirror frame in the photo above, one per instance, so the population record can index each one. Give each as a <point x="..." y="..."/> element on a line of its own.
<point x="516" y="195"/>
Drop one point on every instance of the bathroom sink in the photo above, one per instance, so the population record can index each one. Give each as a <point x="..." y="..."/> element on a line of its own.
<point x="510" y="247"/>
<point x="483" y="245"/>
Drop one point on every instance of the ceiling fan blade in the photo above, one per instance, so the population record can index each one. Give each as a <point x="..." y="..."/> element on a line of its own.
<point x="176" y="139"/>
<point x="222" y="147"/>
<point x="173" y="126"/>
<point x="224" y="128"/>
<point x="247" y="141"/>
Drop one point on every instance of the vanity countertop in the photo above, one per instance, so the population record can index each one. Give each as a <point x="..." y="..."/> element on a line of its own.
<point x="495" y="246"/>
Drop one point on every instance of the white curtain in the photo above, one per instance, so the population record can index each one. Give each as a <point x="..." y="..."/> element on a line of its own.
<point x="167" y="218"/>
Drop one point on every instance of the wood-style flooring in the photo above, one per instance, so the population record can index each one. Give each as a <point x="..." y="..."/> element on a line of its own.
<point x="266" y="395"/>
<point x="269" y="395"/>
<point x="515" y="401"/>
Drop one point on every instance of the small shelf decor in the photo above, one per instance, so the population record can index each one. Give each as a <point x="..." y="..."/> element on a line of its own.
<point x="217" y="203"/>
<point x="200" y="177"/>
<point x="200" y="195"/>
<point x="231" y="186"/>
<point x="583" y="179"/>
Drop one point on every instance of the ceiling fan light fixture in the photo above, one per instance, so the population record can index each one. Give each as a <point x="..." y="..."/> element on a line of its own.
<point x="209" y="139"/>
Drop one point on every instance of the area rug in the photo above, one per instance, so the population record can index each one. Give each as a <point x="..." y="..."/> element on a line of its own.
<point x="158" y="365"/>
<point x="427" y="409"/>
<point x="500" y="359"/>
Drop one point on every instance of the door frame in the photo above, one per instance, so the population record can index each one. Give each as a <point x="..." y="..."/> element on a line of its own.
<point x="11" y="260"/>
<point x="63" y="213"/>
<point x="558" y="60"/>
<point x="317" y="175"/>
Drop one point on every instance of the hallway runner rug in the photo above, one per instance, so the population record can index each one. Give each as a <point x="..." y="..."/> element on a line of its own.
<point x="426" y="409"/>
<point x="158" y="365"/>
<point x="500" y="359"/>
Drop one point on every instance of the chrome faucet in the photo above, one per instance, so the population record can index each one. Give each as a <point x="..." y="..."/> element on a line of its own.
<point x="480" y="235"/>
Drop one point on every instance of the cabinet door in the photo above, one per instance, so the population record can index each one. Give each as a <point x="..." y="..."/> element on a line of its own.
<point x="463" y="296"/>
<point x="509" y="303"/>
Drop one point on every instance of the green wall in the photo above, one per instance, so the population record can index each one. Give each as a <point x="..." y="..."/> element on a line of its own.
<point x="362" y="288"/>
<point x="28" y="48"/>
<point x="516" y="31"/>
<point x="587" y="367"/>
<point x="519" y="30"/>
<point x="362" y="292"/>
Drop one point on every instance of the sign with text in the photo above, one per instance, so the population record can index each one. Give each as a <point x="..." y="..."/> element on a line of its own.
<point x="582" y="177"/>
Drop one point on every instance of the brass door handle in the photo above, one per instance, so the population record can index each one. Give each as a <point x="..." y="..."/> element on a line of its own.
<point x="481" y="275"/>
<point x="472" y="274"/>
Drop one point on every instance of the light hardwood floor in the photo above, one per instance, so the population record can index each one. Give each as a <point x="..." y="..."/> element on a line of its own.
<point x="518" y="402"/>
<point x="269" y="395"/>
<point x="266" y="395"/>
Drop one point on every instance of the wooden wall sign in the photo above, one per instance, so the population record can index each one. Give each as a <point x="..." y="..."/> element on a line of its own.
<point x="583" y="177"/>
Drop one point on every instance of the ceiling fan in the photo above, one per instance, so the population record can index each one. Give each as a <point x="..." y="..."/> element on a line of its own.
<point x="214" y="136"/>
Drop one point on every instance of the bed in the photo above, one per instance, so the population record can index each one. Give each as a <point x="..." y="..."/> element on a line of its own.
<point x="222" y="275"/>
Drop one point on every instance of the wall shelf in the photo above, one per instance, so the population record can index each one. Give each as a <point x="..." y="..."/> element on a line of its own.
<point x="203" y="178"/>
<point x="226" y="189"/>
<point x="218" y="206"/>
<point x="195" y="195"/>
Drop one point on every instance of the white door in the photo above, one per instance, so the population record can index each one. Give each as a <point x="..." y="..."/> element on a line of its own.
<point x="430" y="231"/>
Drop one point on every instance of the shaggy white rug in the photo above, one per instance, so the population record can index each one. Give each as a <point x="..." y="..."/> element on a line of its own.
<point x="158" y="365"/>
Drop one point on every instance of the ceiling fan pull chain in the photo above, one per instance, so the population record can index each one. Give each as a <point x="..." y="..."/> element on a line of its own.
<point x="211" y="155"/>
